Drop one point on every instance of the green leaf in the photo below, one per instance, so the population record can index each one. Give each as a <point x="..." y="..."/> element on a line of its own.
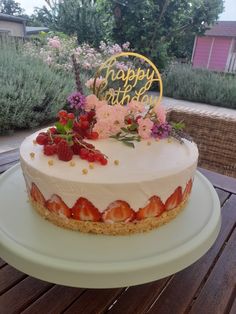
<point x="125" y="130"/>
<point x="133" y="127"/>
<point x="130" y="144"/>
<point x="60" y="127"/>
<point x="68" y="126"/>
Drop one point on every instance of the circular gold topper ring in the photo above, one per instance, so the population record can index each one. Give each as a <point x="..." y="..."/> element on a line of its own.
<point x="127" y="75"/>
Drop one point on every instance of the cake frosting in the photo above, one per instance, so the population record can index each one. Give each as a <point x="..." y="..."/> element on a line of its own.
<point x="151" y="168"/>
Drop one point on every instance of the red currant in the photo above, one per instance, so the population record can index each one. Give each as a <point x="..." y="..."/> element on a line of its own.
<point x="91" y="157"/>
<point x="84" y="124"/>
<point x="83" y="117"/>
<point x="71" y="116"/>
<point x="103" y="161"/>
<point x="94" y="135"/>
<point x="62" y="114"/>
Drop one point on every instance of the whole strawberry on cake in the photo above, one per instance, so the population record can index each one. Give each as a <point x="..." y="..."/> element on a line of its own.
<point x="106" y="169"/>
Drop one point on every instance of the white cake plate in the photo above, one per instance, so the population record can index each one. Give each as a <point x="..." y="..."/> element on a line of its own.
<point x="45" y="251"/>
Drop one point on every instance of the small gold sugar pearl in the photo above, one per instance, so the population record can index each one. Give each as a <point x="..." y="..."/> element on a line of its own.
<point x="34" y="142"/>
<point x="32" y="155"/>
<point x="85" y="171"/>
<point x="149" y="143"/>
<point x="91" y="166"/>
<point x="72" y="163"/>
<point x="116" y="162"/>
<point x="50" y="162"/>
<point x="169" y="140"/>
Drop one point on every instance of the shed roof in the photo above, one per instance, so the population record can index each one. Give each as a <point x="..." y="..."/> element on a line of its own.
<point x="6" y="17"/>
<point x="35" y="30"/>
<point x="222" y="28"/>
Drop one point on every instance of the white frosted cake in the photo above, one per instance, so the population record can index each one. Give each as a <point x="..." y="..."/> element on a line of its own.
<point x="135" y="189"/>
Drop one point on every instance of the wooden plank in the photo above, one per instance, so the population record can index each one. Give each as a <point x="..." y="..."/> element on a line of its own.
<point x="219" y="289"/>
<point x="9" y="276"/>
<point x="56" y="300"/>
<point x="2" y="263"/>
<point x="233" y="307"/>
<point x="23" y="294"/>
<point x="9" y="156"/>
<point x="220" y="181"/>
<point x="94" y="301"/>
<point x="5" y="167"/>
<point x="223" y="195"/>
<point x="186" y="284"/>
<point x="138" y="299"/>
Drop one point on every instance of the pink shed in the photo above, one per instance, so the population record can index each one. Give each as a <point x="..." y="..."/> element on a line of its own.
<point x="216" y="50"/>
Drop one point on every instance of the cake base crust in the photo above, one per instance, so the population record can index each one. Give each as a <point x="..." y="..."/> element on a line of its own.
<point x="118" y="228"/>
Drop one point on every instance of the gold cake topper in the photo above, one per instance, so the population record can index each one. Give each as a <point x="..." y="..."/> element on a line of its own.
<point x="125" y="80"/>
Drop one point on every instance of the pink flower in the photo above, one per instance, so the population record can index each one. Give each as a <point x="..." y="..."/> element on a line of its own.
<point x="90" y="82"/>
<point x="92" y="102"/>
<point x="54" y="42"/>
<point x="145" y="127"/>
<point x="110" y="119"/>
<point x="161" y="113"/>
<point x="135" y="107"/>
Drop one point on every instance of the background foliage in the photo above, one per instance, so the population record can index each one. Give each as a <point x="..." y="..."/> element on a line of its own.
<point x="31" y="93"/>
<point x="183" y="82"/>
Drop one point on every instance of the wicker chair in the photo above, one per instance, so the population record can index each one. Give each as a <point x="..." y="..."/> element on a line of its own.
<point x="215" y="136"/>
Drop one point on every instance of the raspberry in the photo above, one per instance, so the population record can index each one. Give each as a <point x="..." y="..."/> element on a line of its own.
<point x="57" y="139"/>
<point x="76" y="148"/>
<point x="64" y="151"/>
<point x="50" y="150"/>
<point x="42" y="138"/>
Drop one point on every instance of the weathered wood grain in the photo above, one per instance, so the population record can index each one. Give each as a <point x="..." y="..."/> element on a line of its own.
<point x="185" y="285"/>
<point x="24" y="293"/>
<point x="55" y="301"/>
<point x="9" y="276"/>
<point x="94" y="301"/>
<point x="220" y="286"/>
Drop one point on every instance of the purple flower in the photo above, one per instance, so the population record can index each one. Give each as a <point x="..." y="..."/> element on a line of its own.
<point x="76" y="100"/>
<point x="161" y="130"/>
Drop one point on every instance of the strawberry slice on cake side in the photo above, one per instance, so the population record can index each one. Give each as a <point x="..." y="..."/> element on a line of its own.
<point x="84" y="210"/>
<point x="154" y="208"/>
<point x="174" y="200"/>
<point x="55" y="204"/>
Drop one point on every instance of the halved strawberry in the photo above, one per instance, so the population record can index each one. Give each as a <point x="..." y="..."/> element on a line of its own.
<point x="36" y="195"/>
<point x="118" y="211"/>
<point x="154" y="208"/>
<point x="187" y="189"/>
<point x="56" y="205"/>
<point x="174" y="200"/>
<point x="85" y="210"/>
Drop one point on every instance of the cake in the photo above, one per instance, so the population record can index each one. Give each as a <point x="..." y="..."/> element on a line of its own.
<point x="123" y="190"/>
<point x="112" y="165"/>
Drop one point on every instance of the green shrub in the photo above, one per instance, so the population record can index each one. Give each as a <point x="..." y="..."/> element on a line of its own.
<point x="198" y="85"/>
<point x="31" y="92"/>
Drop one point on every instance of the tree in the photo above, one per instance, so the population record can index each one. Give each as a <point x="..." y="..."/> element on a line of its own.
<point x="78" y="17"/>
<point x="11" y="7"/>
<point x="160" y="28"/>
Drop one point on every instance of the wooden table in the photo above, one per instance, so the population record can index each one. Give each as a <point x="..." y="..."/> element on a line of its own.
<point x="207" y="286"/>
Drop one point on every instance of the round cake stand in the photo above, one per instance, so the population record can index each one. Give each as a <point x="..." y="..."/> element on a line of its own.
<point x="45" y="251"/>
